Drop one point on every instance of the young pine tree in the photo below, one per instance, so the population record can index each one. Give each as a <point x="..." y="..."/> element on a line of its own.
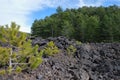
<point x="18" y="53"/>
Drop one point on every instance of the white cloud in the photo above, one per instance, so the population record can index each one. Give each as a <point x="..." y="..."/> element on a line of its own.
<point x="19" y="10"/>
<point x="90" y="3"/>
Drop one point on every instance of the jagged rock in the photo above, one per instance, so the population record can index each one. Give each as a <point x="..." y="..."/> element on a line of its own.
<point x="91" y="61"/>
<point x="61" y="42"/>
<point x="39" y="77"/>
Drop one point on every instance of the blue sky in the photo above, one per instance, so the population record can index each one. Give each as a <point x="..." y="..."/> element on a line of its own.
<point x="24" y="12"/>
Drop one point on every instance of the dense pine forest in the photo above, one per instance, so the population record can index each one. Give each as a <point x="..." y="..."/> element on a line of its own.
<point x="86" y="24"/>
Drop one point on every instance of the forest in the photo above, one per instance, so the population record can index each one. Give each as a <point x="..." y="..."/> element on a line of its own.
<point x="86" y="24"/>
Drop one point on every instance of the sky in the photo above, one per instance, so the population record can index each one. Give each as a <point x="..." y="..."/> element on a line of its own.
<point x="24" y="12"/>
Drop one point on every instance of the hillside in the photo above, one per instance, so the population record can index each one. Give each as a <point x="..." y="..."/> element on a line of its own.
<point x="91" y="61"/>
<point x="86" y="24"/>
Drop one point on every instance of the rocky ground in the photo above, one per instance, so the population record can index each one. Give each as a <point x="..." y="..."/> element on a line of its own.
<point x="91" y="61"/>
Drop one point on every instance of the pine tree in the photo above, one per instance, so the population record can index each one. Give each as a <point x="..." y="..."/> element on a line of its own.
<point x="18" y="54"/>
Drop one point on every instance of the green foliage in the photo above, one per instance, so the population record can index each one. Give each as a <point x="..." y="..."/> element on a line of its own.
<point x="86" y="24"/>
<point x="35" y="62"/>
<point x="11" y="35"/>
<point x="68" y="29"/>
<point x="4" y="56"/>
<point x="51" y="49"/>
<point x="71" y="49"/>
<point x="19" y="52"/>
<point x="18" y="69"/>
<point x="59" y="9"/>
<point x="2" y="72"/>
<point x="9" y="70"/>
<point x="78" y="43"/>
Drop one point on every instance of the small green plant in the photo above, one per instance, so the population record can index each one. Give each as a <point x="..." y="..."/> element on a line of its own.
<point x="4" y="56"/>
<point x="78" y="42"/>
<point x="71" y="49"/>
<point x="51" y="49"/>
<point x="2" y="72"/>
<point x="35" y="62"/>
<point x="9" y="70"/>
<point x="18" y="69"/>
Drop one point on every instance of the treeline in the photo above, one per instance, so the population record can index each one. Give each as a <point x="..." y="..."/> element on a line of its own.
<point x="87" y="24"/>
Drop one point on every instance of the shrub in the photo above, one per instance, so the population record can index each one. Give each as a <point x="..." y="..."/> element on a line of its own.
<point x="35" y="62"/>
<point x="4" y="56"/>
<point x="2" y="72"/>
<point x="51" y="49"/>
<point x="19" y="52"/>
<point x="18" y="69"/>
<point x="78" y="42"/>
<point x="71" y="49"/>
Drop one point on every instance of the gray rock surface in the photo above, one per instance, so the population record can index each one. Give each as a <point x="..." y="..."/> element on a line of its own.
<point x="91" y="61"/>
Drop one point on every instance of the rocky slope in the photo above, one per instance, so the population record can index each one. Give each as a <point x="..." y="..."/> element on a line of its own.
<point x="91" y="61"/>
